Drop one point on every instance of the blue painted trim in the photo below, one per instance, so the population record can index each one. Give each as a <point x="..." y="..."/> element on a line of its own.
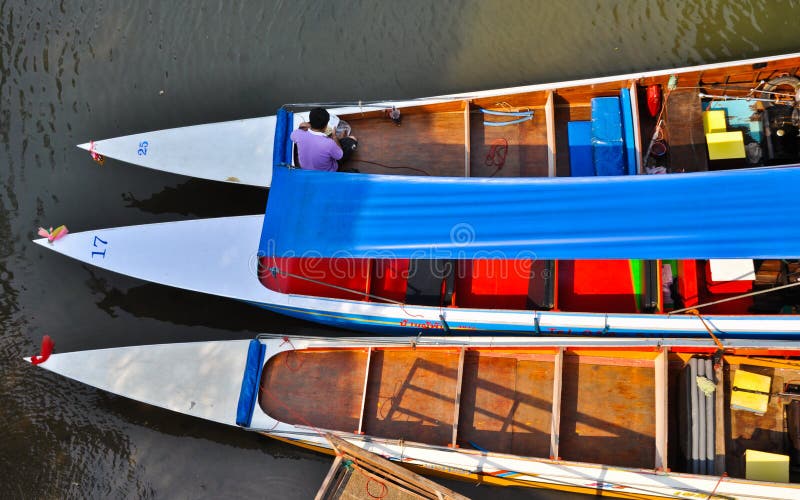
<point x="248" y="394"/>
<point x="282" y="143"/>
<point x="392" y="326"/>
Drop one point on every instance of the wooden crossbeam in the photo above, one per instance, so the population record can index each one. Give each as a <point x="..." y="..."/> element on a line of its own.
<point x="467" y="142"/>
<point x="719" y="421"/>
<point x="457" y="409"/>
<point x="662" y="419"/>
<point x="326" y="484"/>
<point x="549" y="114"/>
<point x="555" y="414"/>
<point x="364" y="393"/>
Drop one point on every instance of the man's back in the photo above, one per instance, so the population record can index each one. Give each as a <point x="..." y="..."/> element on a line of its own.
<point x="316" y="151"/>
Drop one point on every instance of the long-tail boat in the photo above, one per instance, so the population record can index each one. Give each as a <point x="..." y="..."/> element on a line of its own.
<point x="401" y="254"/>
<point x="639" y="122"/>
<point x="633" y="418"/>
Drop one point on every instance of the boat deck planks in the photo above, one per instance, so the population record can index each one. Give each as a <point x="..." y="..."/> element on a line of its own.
<point x="432" y="142"/>
<point x="506" y="404"/>
<point x="435" y="143"/>
<point x="527" y="145"/>
<point x="608" y="413"/>
<point x="411" y="395"/>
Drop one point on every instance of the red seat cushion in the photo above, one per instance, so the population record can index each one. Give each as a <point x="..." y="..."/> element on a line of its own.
<point x="493" y="283"/>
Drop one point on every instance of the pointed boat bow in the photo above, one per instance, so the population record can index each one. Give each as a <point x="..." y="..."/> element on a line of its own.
<point x="201" y="379"/>
<point x="238" y="151"/>
<point x="216" y="256"/>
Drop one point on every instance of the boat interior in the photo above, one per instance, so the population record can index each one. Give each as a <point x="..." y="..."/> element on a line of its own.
<point x="736" y="117"/>
<point x="602" y="286"/>
<point x="733" y="117"/>
<point x="687" y="410"/>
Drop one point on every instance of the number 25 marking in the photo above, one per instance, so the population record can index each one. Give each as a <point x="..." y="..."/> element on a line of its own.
<point x="94" y="244"/>
<point x="143" y="148"/>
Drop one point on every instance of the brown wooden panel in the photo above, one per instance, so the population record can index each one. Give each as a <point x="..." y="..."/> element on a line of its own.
<point x="684" y="132"/>
<point x="527" y="146"/>
<point x="317" y="388"/>
<point x="423" y="143"/>
<point x="487" y="401"/>
<point x="411" y="395"/>
<point x="608" y="414"/>
<point x="506" y="403"/>
<point x="534" y="387"/>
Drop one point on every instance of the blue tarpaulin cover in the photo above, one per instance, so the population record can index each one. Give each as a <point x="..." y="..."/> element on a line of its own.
<point x="727" y="214"/>
<point x="250" y="380"/>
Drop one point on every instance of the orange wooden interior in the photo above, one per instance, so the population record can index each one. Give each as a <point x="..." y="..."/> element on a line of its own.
<point x="607" y="401"/>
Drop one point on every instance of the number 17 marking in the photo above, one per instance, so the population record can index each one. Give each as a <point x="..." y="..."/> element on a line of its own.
<point x="94" y="244"/>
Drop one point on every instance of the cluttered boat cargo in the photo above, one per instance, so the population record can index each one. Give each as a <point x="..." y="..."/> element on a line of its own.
<point x="717" y="116"/>
<point x="653" y="418"/>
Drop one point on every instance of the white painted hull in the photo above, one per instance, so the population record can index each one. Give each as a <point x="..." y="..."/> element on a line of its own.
<point x="240" y="151"/>
<point x="203" y="379"/>
<point x="220" y="257"/>
<point x="237" y="151"/>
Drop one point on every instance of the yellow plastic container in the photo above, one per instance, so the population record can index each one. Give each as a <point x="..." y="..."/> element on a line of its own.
<point x="763" y="466"/>
<point x="750" y="401"/>
<point x="714" y="121"/>
<point x="725" y="145"/>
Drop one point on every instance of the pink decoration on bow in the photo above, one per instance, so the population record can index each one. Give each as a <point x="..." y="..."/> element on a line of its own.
<point x="95" y="155"/>
<point x="53" y="234"/>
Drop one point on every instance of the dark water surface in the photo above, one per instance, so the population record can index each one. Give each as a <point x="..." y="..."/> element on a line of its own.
<point x="74" y="71"/>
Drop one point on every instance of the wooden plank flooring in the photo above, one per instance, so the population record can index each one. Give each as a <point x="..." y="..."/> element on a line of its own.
<point x="607" y="416"/>
<point x="527" y="146"/>
<point x="433" y="143"/>
<point x="506" y="404"/>
<point x="608" y="413"/>
<point x="411" y="395"/>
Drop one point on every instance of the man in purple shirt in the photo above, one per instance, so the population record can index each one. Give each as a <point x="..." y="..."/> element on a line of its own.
<point x="316" y="148"/>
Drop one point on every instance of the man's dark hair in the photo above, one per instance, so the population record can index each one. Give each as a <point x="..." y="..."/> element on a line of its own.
<point x="318" y="118"/>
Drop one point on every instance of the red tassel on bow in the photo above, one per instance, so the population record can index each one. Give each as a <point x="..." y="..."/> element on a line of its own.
<point x="47" y="350"/>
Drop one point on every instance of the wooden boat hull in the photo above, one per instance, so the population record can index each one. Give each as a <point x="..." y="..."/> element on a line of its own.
<point x="241" y="151"/>
<point x="203" y="379"/>
<point x="220" y="257"/>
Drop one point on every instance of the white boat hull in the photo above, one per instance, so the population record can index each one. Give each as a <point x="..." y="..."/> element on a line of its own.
<point x="203" y="379"/>
<point x="220" y="257"/>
